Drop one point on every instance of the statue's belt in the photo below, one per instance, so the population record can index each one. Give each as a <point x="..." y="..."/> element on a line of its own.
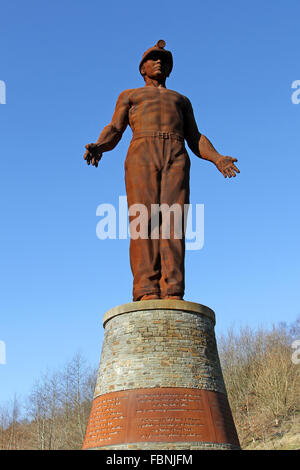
<point x="158" y="134"/>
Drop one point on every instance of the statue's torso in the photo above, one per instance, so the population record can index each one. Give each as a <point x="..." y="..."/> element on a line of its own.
<point x="156" y="109"/>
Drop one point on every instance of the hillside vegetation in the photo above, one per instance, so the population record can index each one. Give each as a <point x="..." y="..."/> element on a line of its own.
<point x="263" y="385"/>
<point x="262" y="381"/>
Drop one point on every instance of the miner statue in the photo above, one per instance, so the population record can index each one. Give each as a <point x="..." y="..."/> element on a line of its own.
<point x="157" y="170"/>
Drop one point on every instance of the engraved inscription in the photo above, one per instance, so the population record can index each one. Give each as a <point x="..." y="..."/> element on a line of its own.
<point x="174" y="415"/>
<point x="107" y="420"/>
<point x="160" y="415"/>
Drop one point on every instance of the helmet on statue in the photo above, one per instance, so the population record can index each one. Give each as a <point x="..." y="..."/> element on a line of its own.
<point x="158" y="48"/>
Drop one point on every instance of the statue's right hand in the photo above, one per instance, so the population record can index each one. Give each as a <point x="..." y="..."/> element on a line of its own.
<point x="93" y="154"/>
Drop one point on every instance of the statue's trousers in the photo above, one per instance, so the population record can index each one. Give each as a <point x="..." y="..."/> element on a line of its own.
<point x="157" y="170"/>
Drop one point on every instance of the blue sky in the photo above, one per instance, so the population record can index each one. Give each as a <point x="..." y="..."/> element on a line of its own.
<point x="64" y="65"/>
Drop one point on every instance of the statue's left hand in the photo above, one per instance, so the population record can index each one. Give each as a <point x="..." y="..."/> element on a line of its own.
<point x="93" y="154"/>
<point x="226" y="166"/>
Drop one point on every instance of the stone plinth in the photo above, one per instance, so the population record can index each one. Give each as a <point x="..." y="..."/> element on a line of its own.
<point x="160" y="384"/>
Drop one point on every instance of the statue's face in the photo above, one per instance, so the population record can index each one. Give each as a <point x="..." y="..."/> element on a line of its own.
<point x="156" y="66"/>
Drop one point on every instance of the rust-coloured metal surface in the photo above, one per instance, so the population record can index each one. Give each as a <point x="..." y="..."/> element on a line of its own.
<point x="160" y="415"/>
<point x="163" y="162"/>
<point x="157" y="170"/>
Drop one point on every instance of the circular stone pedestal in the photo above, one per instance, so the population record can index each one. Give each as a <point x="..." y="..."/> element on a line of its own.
<point x="160" y="384"/>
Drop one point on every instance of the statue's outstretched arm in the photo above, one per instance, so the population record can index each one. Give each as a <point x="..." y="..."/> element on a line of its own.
<point x="203" y="148"/>
<point x="111" y="134"/>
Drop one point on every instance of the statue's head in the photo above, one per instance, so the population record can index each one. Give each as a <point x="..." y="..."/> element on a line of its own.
<point x="156" y="63"/>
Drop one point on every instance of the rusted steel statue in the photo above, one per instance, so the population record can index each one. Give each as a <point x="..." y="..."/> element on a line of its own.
<point x="157" y="168"/>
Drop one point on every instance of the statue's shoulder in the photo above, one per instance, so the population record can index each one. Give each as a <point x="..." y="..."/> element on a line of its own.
<point x="180" y="96"/>
<point x="133" y="91"/>
<point x="130" y="93"/>
<point x="125" y="93"/>
<point x="175" y="92"/>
